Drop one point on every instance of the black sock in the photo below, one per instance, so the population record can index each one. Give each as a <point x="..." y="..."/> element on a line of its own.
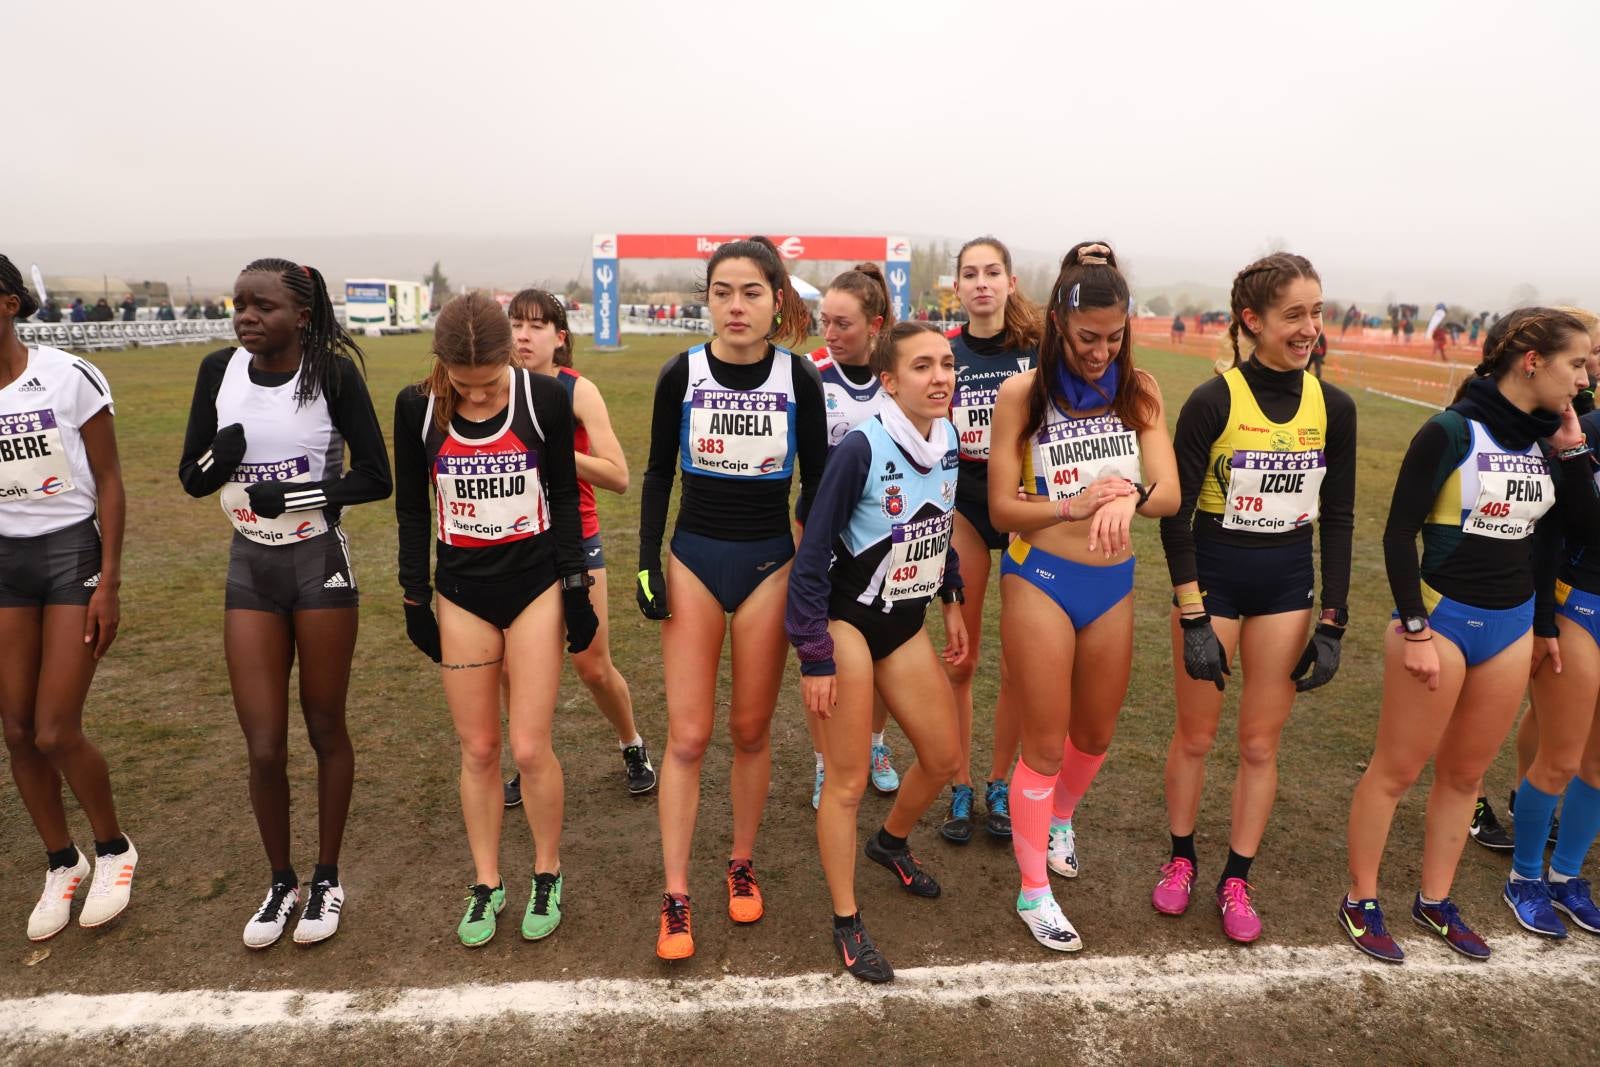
<point x="115" y="847"/>
<point x="1237" y="867"/>
<point x="325" y="872"/>
<point x="889" y="841"/>
<point x="1183" y="849"/>
<point x="285" y="877"/>
<point x="64" y="857"/>
<point x="842" y="921"/>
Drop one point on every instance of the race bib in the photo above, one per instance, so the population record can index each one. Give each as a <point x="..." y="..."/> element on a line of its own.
<point x="916" y="558"/>
<point x="490" y="496"/>
<point x="1071" y="454"/>
<point x="1269" y="492"/>
<point x="33" y="463"/>
<point x="971" y="413"/>
<point x="738" y="433"/>
<point x="286" y="528"/>
<point x="1513" y="492"/>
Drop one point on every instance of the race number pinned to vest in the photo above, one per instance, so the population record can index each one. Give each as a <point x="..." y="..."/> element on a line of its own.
<point x="1513" y="492"/>
<point x="286" y="528"/>
<point x="972" y="412"/>
<point x="1070" y="454"/>
<point x="917" y="552"/>
<point x="489" y="496"/>
<point x="738" y="433"/>
<point x="1269" y="492"/>
<point x="33" y="462"/>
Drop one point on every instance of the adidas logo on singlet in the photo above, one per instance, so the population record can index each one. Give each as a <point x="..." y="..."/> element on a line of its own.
<point x="336" y="582"/>
<point x="32" y="385"/>
<point x="92" y="582"/>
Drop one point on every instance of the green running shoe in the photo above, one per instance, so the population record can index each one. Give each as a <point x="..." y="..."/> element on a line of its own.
<point x="544" y="908"/>
<point x="483" y="905"/>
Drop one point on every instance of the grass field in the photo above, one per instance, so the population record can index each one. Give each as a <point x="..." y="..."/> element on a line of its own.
<point x="161" y="710"/>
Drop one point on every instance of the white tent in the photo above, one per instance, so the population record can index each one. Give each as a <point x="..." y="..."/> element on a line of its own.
<point x="806" y="290"/>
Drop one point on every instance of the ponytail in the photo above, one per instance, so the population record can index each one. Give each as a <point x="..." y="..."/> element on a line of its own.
<point x="323" y="341"/>
<point x="1533" y="329"/>
<point x="866" y="283"/>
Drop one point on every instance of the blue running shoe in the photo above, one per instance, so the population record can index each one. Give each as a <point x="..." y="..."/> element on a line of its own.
<point x="816" y="792"/>
<point x="885" y="779"/>
<point x="1444" y="919"/>
<point x="958" y="827"/>
<point x="1530" y="903"/>
<point x="997" y="798"/>
<point x="1571" y="898"/>
<point x="1362" y="922"/>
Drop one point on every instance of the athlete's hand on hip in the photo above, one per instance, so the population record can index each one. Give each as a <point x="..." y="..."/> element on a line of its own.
<point x="1321" y="658"/>
<point x="650" y="590"/>
<point x="1202" y="652"/>
<point x="1545" y="648"/>
<point x="270" y="499"/>
<point x="1108" y="528"/>
<point x="423" y="629"/>
<point x="227" y="447"/>
<point x="1421" y="659"/>
<point x="820" y="694"/>
<point x="582" y="622"/>
<point x="955" y="634"/>
<point x="101" y="622"/>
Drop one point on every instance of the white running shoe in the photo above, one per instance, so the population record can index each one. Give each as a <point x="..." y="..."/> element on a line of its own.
<point x="320" y="920"/>
<point x="110" y="888"/>
<point x="267" y="924"/>
<point x="54" y="910"/>
<point x="1063" y="853"/>
<point x="1047" y="925"/>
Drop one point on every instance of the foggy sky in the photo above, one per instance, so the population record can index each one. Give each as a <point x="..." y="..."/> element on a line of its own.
<point x="1405" y="146"/>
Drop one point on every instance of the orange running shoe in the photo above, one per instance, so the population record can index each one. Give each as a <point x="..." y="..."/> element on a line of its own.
<point x="676" y="939"/>
<point x="744" y="896"/>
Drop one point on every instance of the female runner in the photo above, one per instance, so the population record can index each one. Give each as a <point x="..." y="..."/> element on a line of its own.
<point x="268" y="427"/>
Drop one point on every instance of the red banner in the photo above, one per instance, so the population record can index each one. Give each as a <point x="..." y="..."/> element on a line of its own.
<point x="700" y="246"/>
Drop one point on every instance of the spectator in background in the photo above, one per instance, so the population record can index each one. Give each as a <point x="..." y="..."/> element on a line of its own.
<point x="1394" y="322"/>
<point x="1351" y="314"/>
<point x="1319" y="352"/>
<point x="51" y="312"/>
<point x="191" y="310"/>
<point x="209" y="311"/>
<point x="130" y="310"/>
<point x="1408" y="328"/>
<point x="102" y="311"/>
<point x="78" y="313"/>
<point x="1438" y="336"/>
<point x="165" y="312"/>
<point x="1178" y="329"/>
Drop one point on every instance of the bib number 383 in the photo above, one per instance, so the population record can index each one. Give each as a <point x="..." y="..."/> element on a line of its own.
<point x="738" y="433"/>
<point x="1269" y="492"/>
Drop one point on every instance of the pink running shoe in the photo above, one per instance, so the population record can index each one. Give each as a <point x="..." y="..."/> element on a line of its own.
<point x="1239" y="919"/>
<point x="1171" y="894"/>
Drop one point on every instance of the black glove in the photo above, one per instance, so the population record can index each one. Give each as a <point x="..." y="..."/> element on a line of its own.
<point x="423" y="629"/>
<point x="227" y="448"/>
<point x="582" y="622"/>
<point x="1321" y="658"/>
<point x="1202" y="652"/>
<point x="651" y="593"/>
<point x="271" y="499"/>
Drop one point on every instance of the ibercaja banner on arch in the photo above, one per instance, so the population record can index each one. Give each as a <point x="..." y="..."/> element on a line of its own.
<point x="611" y="248"/>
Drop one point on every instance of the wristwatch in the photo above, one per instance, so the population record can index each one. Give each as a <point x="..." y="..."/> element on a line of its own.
<point x="1414" y="624"/>
<point x="1335" y="617"/>
<point x="581" y="580"/>
<point x="953" y="596"/>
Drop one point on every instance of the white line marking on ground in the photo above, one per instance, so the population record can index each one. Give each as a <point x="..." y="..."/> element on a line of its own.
<point x="1124" y="981"/>
<point x="1405" y="399"/>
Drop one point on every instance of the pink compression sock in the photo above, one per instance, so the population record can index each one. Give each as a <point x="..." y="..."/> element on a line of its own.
<point x="1030" y="822"/>
<point x="1077" y="773"/>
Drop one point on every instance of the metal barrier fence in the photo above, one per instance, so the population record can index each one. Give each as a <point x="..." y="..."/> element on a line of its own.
<point x="89" y="336"/>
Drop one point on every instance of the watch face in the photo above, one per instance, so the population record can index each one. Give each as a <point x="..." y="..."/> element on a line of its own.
<point x="1415" y="625"/>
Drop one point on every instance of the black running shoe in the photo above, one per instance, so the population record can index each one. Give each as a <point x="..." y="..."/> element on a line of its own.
<point x="861" y="957"/>
<point x="958" y="827"/>
<point x="1486" y="829"/>
<point x="913" y="879"/>
<point x="641" y="772"/>
<point x="997" y="797"/>
<point x="514" y="791"/>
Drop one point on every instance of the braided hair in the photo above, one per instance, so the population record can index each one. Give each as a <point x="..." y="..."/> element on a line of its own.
<point x="11" y="284"/>
<point x="1535" y="329"/>
<point x="1258" y="287"/>
<point x="323" y="341"/>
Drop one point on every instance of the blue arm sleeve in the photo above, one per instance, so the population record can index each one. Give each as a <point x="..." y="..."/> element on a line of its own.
<point x="805" y="617"/>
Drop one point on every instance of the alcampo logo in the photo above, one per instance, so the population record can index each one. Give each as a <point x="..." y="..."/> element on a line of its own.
<point x="520" y="524"/>
<point x="302" y="531"/>
<point x="768" y="465"/>
<point x="791" y="248"/>
<point x="52" y="485"/>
